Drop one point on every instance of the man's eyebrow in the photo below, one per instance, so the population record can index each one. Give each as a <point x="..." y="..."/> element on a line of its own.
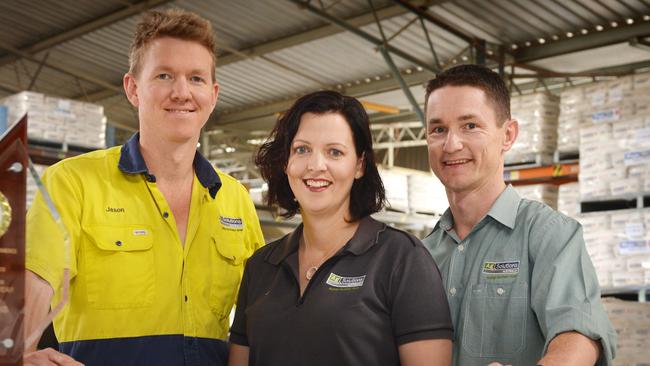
<point x="467" y="117"/>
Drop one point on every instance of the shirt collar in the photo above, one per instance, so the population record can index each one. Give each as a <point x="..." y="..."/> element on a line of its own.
<point x="364" y="238"/>
<point x="504" y="209"/>
<point x="132" y="162"/>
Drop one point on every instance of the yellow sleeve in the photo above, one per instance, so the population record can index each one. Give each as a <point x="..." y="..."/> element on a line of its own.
<point x="44" y="245"/>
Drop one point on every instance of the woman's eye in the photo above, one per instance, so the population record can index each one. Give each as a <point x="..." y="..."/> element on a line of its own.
<point x="300" y="150"/>
<point x="336" y="153"/>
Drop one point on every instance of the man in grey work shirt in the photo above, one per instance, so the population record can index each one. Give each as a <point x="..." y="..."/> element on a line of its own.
<point x="521" y="287"/>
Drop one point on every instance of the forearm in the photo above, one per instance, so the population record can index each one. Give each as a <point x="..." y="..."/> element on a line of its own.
<point x="238" y="355"/>
<point x="431" y="352"/>
<point x="38" y="295"/>
<point x="571" y="348"/>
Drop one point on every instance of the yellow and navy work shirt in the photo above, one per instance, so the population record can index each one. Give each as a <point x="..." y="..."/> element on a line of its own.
<point x="138" y="296"/>
<point x="521" y="277"/>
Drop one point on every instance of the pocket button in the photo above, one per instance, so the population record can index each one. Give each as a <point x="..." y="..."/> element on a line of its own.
<point x="500" y="291"/>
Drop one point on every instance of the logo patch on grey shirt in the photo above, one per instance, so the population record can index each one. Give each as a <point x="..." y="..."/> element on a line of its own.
<point x="506" y="268"/>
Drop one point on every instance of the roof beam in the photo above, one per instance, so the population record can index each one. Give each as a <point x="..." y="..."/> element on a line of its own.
<point x="580" y="43"/>
<point x="291" y="40"/>
<point x="59" y="68"/>
<point x="364" y="35"/>
<point x="357" y="91"/>
<point x="80" y="30"/>
<point x="421" y="11"/>
<point x="310" y="35"/>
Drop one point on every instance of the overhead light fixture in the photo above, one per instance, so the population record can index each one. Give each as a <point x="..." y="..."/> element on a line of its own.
<point x="599" y="27"/>
<point x="555" y="37"/>
<point x="569" y="34"/>
<point x="584" y="31"/>
<point x="542" y="41"/>
<point x="614" y="24"/>
<point x="514" y="46"/>
<point x="527" y="43"/>
<point x="629" y="21"/>
<point x="646" y="18"/>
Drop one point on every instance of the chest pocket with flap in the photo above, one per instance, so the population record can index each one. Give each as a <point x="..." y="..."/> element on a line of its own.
<point x="120" y="266"/>
<point x="229" y="253"/>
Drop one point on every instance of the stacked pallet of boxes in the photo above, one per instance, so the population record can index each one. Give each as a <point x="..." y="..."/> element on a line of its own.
<point x="615" y="164"/>
<point x="572" y="109"/>
<point x="57" y="120"/>
<point x="413" y="191"/>
<point x="537" y="115"/>
<point x="545" y="193"/>
<point x="631" y="322"/>
<point x="568" y="199"/>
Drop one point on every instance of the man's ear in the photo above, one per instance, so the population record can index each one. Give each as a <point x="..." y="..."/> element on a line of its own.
<point x="131" y="89"/>
<point x="510" y="131"/>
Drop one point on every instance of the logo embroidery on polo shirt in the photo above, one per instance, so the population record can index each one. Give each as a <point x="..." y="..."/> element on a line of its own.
<point x="506" y="268"/>
<point x="231" y="223"/>
<point x="337" y="281"/>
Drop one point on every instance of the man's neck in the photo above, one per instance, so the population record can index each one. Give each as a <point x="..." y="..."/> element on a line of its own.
<point x="171" y="162"/>
<point x="468" y="208"/>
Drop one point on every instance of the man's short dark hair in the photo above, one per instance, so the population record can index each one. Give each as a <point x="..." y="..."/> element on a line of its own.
<point x="367" y="195"/>
<point x="480" y="77"/>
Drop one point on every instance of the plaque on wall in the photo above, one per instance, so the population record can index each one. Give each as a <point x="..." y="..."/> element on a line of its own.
<point x="13" y="175"/>
<point x="14" y="167"/>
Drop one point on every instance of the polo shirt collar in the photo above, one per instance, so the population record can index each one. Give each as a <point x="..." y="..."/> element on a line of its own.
<point x="132" y="162"/>
<point x="364" y="238"/>
<point x="504" y="209"/>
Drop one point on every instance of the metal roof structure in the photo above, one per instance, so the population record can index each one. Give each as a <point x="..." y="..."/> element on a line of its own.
<point x="271" y="51"/>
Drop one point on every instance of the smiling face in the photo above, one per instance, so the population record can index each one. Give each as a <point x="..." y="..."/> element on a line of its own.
<point x="173" y="90"/>
<point x="464" y="140"/>
<point x="323" y="164"/>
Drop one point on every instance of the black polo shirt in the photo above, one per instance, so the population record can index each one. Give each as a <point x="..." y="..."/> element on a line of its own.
<point x="381" y="290"/>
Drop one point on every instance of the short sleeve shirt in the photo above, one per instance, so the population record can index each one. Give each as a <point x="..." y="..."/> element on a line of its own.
<point x="138" y="296"/>
<point x="381" y="290"/>
<point x="520" y="277"/>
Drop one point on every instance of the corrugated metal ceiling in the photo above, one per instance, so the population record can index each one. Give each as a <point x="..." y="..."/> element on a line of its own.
<point x="338" y="59"/>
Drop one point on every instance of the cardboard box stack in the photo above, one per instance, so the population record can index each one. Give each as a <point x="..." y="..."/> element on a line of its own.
<point x="538" y="119"/>
<point x="619" y="246"/>
<point x="59" y="120"/>
<point x="572" y="108"/>
<point x="631" y="321"/>
<point x="545" y="193"/>
<point x="413" y="191"/>
<point x="568" y="199"/>
<point x="615" y="139"/>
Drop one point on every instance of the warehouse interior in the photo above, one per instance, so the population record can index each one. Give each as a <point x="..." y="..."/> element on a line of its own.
<point x="578" y="71"/>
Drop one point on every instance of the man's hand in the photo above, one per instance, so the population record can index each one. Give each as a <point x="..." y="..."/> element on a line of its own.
<point x="49" y="357"/>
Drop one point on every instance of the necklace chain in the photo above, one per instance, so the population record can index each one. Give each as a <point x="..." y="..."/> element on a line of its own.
<point x="311" y="271"/>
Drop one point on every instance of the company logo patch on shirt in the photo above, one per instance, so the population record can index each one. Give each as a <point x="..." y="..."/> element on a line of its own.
<point x="231" y="223"/>
<point x="506" y="268"/>
<point x="337" y="281"/>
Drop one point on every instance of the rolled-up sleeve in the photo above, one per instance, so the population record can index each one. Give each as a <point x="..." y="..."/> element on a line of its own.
<point x="565" y="295"/>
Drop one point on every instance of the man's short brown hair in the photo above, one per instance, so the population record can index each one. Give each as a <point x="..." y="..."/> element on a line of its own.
<point x="175" y="23"/>
<point x="480" y="77"/>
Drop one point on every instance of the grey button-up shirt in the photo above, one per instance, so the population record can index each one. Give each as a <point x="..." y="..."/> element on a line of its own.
<point x="519" y="278"/>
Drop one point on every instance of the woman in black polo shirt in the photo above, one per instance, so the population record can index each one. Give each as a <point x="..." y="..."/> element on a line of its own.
<point x="342" y="289"/>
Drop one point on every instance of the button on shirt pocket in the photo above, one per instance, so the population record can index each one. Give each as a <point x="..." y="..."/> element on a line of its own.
<point x="227" y="269"/>
<point x="495" y="321"/>
<point x="119" y="266"/>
